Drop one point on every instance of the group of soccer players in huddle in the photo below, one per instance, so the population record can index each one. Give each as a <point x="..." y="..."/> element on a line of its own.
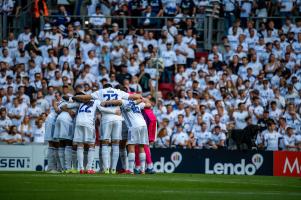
<point x="70" y="132"/>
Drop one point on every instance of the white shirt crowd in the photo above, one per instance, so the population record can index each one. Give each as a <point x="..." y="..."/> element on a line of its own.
<point x="254" y="73"/>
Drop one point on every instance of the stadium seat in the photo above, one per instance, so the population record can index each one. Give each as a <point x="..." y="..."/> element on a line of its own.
<point x="165" y="88"/>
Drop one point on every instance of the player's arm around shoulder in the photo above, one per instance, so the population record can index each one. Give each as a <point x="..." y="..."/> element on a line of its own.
<point x="108" y="110"/>
<point x="111" y="103"/>
<point x="135" y="96"/>
<point x="143" y="103"/>
<point x="82" y="98"/>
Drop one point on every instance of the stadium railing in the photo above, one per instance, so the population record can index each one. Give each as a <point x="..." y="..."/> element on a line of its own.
<point x="210" y="29"/>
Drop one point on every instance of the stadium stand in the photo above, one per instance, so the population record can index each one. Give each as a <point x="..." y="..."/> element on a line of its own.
<point x="232" y="75"/>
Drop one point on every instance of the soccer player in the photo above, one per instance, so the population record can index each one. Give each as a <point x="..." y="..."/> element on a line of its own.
<point x="122" y="149"/>
<point x="151" y="121"/>
<point x="52" y="153"/>
<point x="84" y="133"/>
<point x="137" y="134"/>
<point x="111" y="124"/>
<point x="64" y="130"/>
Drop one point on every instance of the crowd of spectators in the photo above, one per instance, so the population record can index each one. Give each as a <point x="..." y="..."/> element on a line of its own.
<point x="245" y="94"/>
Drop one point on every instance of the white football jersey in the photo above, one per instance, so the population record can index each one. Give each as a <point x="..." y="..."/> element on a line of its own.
<point x="132" y="114"/>
<point x="106" y="95"/>
<point x="64" y="116"/>
<point x="86" y="114"/>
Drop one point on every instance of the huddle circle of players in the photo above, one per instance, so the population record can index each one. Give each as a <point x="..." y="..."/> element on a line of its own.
<point x="70" y="130"/>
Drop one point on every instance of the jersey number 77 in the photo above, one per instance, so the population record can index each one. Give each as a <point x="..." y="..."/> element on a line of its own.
<point x="110" y="96"/>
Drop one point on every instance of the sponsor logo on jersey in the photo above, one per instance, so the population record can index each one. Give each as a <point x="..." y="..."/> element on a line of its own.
<point x="244" y="167"/>
<point x="168" y="167"/>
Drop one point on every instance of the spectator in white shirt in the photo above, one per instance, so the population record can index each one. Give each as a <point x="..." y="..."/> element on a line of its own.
<point x="97" y="19"/>
<point x="203" y="138"/>
<point x="25" y="36"/>
<point x="290" y="140"/>
<point x="66" y="57"/>
<point x="271" y="137"/>
<point x="13" y="137"/>
<point x="218" y="138"/>
<point x="15" y="112"/>
<point x="180" y="138"/>
<point x="170" y="63"/>
<point x="181" y="50"/>
<point x="39" y="131"/>
<point x="5" y="122"/>
<point x="240" y="116"/>
<point x="93" y="62"/>
<point x="25" y="129"/>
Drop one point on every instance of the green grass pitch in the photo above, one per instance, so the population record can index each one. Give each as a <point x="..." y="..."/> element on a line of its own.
<point x="43" y="186"/>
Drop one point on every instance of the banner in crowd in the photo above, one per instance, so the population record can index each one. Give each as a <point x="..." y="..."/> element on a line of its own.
<point x="213" y="161"/>
<point x="279" y="163"/>
<point x="287" y="163"/>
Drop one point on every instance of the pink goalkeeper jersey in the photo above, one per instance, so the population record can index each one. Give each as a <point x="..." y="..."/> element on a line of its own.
<point x="151" y="122"/>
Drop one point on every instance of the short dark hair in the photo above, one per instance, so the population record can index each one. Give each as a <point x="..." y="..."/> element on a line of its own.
<point x="107" y="85"/>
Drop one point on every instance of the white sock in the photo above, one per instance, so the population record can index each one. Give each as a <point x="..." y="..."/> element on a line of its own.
<point x="85" y="157"/>
<point x="124" y="159"/>
<point x="80" y="157"/>
<point x="150" y="166"/>
<point x="142" y="157"/>
<point x="110" y="155"/>
<point x="105" y="156"/>
<point x="115" y="156"/>
<point x="90" y="158"/>
<point x="131" y="158"/>
<point x="74" y="159"/>
<point x="50" y="158"/>
<point x="68" y="157"/>
<point x="62" y="157"/>
<point x="57" y="159"/>
<point x="100" y="159"/>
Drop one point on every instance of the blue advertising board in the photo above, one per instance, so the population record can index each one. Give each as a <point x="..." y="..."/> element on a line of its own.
<point x="213" y="161"/>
